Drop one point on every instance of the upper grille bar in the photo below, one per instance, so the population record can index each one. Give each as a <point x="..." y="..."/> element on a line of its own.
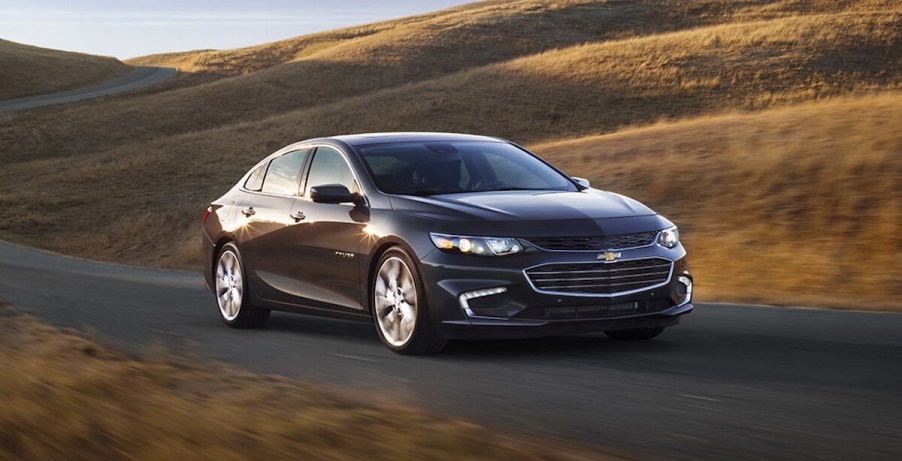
<point x="595" y="243"/>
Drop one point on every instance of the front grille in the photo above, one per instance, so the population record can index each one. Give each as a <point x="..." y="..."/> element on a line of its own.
<point x="596" y="311"/>
<point x="606" y="242"/>
<point x="600" y="278"/>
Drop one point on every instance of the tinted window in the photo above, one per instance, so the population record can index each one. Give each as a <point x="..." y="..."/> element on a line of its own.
<point x="417" y="168"/>
<point x="255" y="180"/>
<point x="515" y="174"/>
<point x="284" y="173"/>
<point x="329" y="167"/>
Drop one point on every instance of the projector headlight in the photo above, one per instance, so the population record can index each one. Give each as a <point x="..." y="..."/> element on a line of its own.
<point x="669" y="238"/>
<point x="483" y="246"/>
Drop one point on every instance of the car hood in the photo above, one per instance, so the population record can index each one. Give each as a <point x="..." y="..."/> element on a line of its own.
<point x="522" y="205"/>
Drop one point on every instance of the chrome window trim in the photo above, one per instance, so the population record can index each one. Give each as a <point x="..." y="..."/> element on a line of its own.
<point x="293" y="148"/>
<point x="267" y="160"/>
<point x="599" y="295"/>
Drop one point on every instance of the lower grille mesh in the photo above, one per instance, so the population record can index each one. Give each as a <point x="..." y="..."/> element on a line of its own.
<point x="600" y="278"/>
<point x="600" y="311"/>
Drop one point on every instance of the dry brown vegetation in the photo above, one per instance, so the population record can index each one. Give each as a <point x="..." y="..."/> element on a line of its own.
<point x="28" y="70"/>
<point x="802" y="204"/>
<point x="124" y="171"/>
<point x="66" y="397"/>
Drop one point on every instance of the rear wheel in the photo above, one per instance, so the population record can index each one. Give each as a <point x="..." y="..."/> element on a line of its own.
<point x="400" y="309"/>
<point x="634" y="334"/>
<point x="232" y="292"/>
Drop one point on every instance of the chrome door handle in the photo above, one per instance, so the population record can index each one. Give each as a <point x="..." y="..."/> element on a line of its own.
<point x="248" y="211"/>
<point x="298" y="216"/>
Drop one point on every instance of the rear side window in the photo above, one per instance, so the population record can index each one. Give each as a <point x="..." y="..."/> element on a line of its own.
<point x="284" y="174"/>
<point x="255" y="180"/>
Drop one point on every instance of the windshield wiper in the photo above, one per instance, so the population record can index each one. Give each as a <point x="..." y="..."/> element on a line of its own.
<point x="424" y="193"/>
<point x="509" y="188"/>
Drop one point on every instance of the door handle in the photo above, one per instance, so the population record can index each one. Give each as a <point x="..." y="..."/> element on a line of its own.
<point x="298" y="216"/>
<point x="248" y="211"/>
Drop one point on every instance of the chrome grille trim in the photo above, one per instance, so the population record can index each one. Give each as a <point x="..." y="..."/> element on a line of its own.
<point x="659" y="270"/>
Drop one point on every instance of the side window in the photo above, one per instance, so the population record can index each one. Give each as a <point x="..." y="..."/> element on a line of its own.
<point x="329" y="167"/>
<point x="284" y="174"/>
<point x="255" y="180"/>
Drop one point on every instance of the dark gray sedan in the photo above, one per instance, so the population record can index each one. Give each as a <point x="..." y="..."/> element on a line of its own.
<point x="438" y="236"/>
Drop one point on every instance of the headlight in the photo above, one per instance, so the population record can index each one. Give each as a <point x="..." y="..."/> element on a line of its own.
<point x="669" y="238"/>
<point x="484" y="246"/>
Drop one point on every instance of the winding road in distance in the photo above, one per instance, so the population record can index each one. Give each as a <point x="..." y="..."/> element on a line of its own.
<point x="142" y="76"/>
<point x="730" y="382"/>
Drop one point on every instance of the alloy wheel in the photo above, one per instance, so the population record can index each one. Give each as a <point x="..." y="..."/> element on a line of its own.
<point x="395" y="301"/>
<point x="229" y="285"/>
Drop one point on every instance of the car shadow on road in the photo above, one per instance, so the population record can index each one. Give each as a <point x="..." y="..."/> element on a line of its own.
<point x="322" y="326"/>
<point x="575" y="346"/>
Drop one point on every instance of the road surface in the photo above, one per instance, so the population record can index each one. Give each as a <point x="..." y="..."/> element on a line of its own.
<point x="731" y="382"/>
<point x="139" y="78"/>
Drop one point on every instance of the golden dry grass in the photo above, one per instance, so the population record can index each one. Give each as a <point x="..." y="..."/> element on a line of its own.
<point x="800" y="205"/>
<point x="125" y="171"/>
<point x="470" y="24"/>
<point x="28" y="70"/>
<point x="423" y="49"/>
<point x="66" y="397"/>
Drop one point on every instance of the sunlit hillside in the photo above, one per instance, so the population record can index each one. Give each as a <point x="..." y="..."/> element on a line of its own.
<point x="801" y="204"/>
<point x="28" y="70"/>
<point x="125" y="173"/>
<point x="440" y="45"/>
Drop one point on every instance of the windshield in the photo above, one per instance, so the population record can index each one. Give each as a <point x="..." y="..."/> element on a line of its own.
<point x="430" y="168"/>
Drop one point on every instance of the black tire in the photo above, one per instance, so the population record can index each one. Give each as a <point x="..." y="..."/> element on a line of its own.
<point x="424" y="339"/>
<point x="634" y="334"/>
<point x="248" y="315"/>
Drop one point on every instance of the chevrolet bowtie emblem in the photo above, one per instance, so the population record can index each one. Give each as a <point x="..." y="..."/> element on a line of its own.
<point x="608" y="256"/>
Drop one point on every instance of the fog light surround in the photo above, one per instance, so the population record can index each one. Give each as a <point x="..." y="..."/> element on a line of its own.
<point x="466" y="296"/>
<point x="687" y="282"/>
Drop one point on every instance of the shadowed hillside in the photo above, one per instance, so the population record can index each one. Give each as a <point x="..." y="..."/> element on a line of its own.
<point x="68" y="397"/>
<point x="28" y="70"/>
<point x="140" y="168"/>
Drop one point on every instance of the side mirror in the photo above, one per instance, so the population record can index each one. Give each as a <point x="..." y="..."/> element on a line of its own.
<point x="581" y="181"/>
<point x="334" y="193"/>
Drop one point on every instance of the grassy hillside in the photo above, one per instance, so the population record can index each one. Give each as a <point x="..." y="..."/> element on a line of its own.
<point x="65" y="397"/>
<point x="113" y="170"/>
<point x="438" y="45"/>
<point x="797" y="204"/>
<point x="555" y="22"/>
<point x="28" y="70"/>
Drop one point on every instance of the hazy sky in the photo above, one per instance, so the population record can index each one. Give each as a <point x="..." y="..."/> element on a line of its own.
<point x="128" y="28"/>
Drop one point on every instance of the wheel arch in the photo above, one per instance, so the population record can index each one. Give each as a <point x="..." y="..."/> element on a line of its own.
<point x="383" y="245"/>
<point x="217" y="247"/>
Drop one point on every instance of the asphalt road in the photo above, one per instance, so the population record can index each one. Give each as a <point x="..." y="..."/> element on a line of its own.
<point x="731" y="382"/>
<point x="142" y="76"/>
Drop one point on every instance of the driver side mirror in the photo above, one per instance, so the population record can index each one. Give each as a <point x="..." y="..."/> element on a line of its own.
<point x="581" y="181"/>
<point x="334" y="193"/>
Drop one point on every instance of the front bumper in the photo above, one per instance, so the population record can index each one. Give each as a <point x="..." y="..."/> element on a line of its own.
<point x="475" y="297"/>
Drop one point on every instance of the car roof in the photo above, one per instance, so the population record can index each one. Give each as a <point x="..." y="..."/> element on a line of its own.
<point x="382" y="138"/>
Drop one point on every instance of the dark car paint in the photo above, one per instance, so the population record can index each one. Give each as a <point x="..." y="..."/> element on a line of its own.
<point x="322" y="263"/>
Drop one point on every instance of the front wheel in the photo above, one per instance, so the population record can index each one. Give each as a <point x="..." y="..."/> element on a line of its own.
<point x="232" y="292"/>
<point x="400" y="310"/>
<point x="634" y="334"/>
